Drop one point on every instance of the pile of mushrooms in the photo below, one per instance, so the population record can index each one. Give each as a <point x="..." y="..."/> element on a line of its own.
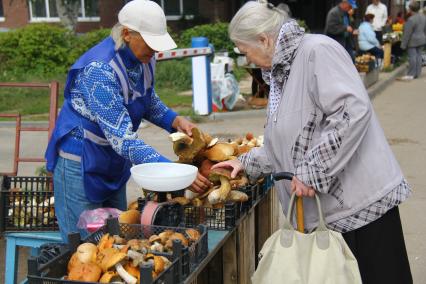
<point x="204" y="151"/>
<point x="116" y="260"/>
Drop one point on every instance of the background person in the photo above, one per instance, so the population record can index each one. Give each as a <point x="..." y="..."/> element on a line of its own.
<point x="338" y="25"/>
<point x="367" y="40"/>
<point x="380" y="12"/>
<point x="413" y="40"/>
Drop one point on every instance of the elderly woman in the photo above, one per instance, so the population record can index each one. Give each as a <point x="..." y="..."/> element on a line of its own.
<point x="321" y="126"/>
<point x="109" y="90"/>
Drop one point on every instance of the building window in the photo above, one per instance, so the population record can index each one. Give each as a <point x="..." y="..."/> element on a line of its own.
<point x="45" y="11"/>
<point x="175" y="9"/>
<point x="1" y="11"/>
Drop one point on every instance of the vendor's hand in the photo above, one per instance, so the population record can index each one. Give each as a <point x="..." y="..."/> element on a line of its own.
<point x="201" y="184"/>
<point x="235" y="165"/>
<point x="183" y="125"/>
<point x="301" y="189"/>
<point x="349" y="29"/>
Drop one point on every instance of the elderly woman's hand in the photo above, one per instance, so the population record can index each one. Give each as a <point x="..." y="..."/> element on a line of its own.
<point x="235" y="165"/>
<point x="301" y="189"/>
<point x="183" y="125"/>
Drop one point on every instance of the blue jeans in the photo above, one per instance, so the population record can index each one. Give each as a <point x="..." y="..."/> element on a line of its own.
<point x="71" y="200"/>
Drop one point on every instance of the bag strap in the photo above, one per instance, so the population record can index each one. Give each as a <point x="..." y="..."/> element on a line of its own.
<point x="321" y="231"/>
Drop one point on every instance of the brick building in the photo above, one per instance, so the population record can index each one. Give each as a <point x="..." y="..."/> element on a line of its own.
<point x="180" y="13"/>
<point x="103" y="13"/>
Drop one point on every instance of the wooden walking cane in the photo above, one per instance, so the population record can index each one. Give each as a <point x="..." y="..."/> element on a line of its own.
<point x="299" y="201"/>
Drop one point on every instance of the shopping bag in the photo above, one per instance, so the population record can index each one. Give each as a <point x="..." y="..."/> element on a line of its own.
<point x="321" y="257"/>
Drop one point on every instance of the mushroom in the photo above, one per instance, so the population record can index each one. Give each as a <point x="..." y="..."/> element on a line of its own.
<point x="157" y="247"/>
<point x="242" y="181"/>
<point x="85" y="272"/>
<point x="133" y="270"/>
<point x="192" y="234"/>
<point x="108" y="277"/>
<point x="154" y="238"/>
<point x="138" y="245"/>
<point x="165" y="235"/>
<point x="220" y="194"/>
<point x="237" y="196"/>
<point x="118" y="240"/>
<point x="86" y="252"/>
<point x="212" y="142"/>
<point x="113" y="258"/>
<point x="189" y="194"/>
<point x="205" y="167"/>
<point x="181" y="200"/>
<point x="197" y="202"/>
<point x="73" y="262"/>
<point x="105" y="242"/>
<point x="133" y="205"/>
<point x="185" y="147"/>
<point x="136" y="257"/>
<point x="220" y="152"/>
<point x="132" y="216"/>
<point x="158" y="262"/>
<point x="176" y="236"/>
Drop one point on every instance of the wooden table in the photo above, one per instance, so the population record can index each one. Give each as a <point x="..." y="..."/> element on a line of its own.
<point x="233" y="254"/>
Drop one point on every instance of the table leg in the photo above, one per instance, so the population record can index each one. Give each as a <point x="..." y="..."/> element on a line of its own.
<point x="11" y="263"/>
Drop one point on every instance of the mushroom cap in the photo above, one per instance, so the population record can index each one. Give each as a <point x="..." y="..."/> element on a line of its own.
<point x="215" y="174"/>
<point x="86" y="272"/>
<point x="73" y="262"/>
<point x="86" y="252"/>
<point x="187" y="151"/>
<point x="132" y="270"/>
<point x="165" y="235"/>
<point x="158" y="262"/>
<point x="154" y="238"/>
<point x="133" y="205"/>
<point x="107" y="276"/>
<point x="132" y="216"/>
<point x="205" y="167"/>
<point x="114" y="259"/>
<point x="105" y="242"/>
<point x="192" y="234"/>
<point x="220" y="152"/>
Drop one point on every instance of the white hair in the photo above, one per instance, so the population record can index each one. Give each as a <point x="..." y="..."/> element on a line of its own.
<point x="117" y="35"/>
<point x="256" y="18"/>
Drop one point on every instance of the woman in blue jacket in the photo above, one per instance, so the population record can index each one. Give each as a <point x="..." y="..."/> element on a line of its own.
<point x="109" y="90"/>
<point x="367" y="40"/>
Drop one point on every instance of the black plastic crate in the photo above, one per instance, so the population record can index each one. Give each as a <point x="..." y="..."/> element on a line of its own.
<point x="184" y="260"/>
<point x="216" y="219"/>
<point x="54" y="270"/>
<point x="27" y="204"/>
<point x="252" y="191"/>
<point x="191" y="256"/>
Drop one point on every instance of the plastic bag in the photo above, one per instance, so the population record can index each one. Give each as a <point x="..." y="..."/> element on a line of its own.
<point x="92" y="220"/>
<point x="225" y="87"/>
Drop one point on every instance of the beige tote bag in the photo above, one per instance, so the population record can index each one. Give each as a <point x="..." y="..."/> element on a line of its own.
<point x="322" y="256"/>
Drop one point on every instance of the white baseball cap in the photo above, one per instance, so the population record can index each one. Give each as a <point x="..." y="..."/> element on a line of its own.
<point x="148" y="19"/>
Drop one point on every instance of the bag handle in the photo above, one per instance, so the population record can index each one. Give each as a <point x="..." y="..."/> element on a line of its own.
<point x="299" y="200"/>
<point x="321" y="232"/>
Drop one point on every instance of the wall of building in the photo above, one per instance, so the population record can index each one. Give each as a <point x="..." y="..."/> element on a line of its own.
<point x="15" y="13"/>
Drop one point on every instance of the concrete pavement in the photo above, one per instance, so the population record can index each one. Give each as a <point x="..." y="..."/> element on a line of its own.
<point x="400" y="109"/>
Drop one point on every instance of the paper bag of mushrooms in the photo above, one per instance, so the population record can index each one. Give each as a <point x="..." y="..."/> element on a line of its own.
<point x="204" y="151"/>
<point x="114" y="259"/>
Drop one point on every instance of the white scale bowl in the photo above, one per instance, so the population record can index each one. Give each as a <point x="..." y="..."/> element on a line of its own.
<point x="164" y="177"/>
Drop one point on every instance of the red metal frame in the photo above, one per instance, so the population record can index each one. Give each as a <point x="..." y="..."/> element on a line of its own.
<point x="53" y="113"/>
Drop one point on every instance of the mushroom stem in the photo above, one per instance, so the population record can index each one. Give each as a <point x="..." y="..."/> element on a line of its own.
<point x="129" y="279"/>
<point x="225" y="188"/>
<point x="135" y="256"/>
